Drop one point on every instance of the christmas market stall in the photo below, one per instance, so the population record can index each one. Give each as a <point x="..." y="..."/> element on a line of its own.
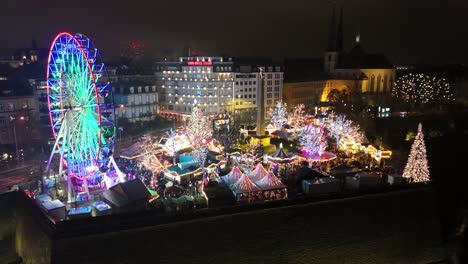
<point x="321" y="186"/>
<point x="233" y="176"/>
<point x="272" y="187"/>
<point x="258" y="173"/>
<point x="132" y="152"/>
<point x="363" y="181"/>
<point x="245" y="190"/>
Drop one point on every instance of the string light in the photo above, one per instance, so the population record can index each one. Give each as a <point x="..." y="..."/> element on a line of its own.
<point x="422" y="88"/>
<point x="417" y="167"/>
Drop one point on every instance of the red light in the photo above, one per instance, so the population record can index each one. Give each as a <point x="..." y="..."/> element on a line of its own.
<point x="199" y="63"/>
<point x="21" y="118"/>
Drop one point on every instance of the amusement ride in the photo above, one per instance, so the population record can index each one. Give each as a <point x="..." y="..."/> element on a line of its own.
<point x="82" y="116"/>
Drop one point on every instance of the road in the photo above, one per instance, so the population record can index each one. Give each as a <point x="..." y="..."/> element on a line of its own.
<point x="14" y="176"/>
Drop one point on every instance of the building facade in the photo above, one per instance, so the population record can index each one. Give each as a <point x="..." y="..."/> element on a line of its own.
<point x="18" y="117"/>
<point x="205" y="82"/>
<point x="135" y="101"/>
<point x="356" y="76"/>
<point x="217" y="85"/>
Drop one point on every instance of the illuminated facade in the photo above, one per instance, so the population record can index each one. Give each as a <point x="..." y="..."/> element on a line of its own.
<point x="355" y="75"/>
<point x="205" y="82"/>
<point x="136" y="102"/>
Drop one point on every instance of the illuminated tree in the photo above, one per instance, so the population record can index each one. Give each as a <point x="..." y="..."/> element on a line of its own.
<point x="198" y="128"/>
<point x="354" y="133"/>
<point x="278" y="115"/>
<point x="417" y="168"/>
<point x="313" y="140"/>
<point x="297" y="118"/>
<point x="338" y="126"/>
<point x="171" y="135"/>
<point x="422" y="89"/>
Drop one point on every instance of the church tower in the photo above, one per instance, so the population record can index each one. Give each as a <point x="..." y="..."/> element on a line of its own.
<point x="335" y="43"/>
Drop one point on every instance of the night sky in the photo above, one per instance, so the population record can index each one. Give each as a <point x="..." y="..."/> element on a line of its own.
<point x="431" y="31"/>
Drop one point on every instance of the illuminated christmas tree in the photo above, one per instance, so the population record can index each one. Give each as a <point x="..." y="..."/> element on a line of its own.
<point x="198" y="128"/>
<point x="417" y="168"/>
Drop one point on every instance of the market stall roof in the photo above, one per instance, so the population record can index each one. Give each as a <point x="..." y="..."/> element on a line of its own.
<point x="270" y="182"/>
<point x="232" y="176"/>
<point x="133" y="151"/>
<point x="126" y="193"/>
<point x="326" y="156"/>
<point x="281" y="133"/>
<point x="258" y="173"/>
<point x="244" y="185"/>
<point x="344" y="169"/>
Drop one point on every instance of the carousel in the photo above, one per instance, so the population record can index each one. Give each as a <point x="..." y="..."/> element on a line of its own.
<point x="280" y="159"/>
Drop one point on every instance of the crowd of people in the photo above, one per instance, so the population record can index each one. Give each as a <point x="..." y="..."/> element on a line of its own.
<point x="134" y="170"/>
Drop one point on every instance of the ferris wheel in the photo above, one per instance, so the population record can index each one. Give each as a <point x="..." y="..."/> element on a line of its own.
<point x="81" y="113"/>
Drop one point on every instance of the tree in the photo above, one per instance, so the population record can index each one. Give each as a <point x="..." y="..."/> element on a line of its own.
<point x="279" y="115"/>
<point x="227" y="135"/>
<point x="422" y="89"/>
<point x="337" y="125"/>
<point x="198" y="128"/>
<point x="313" y="139"/>
<point x="417" y="168"/>
<point x="171" y="135"/>
<point x="297" y="118"/>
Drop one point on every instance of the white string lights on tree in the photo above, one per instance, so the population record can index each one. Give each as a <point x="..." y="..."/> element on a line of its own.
<point x="422" y="88"/>
<point x="171" y="135"/>
<point x="417" y="168"/>
<point x="297" y="119"/>
<point x="198" y="128"/>
<point x="278" y="115"/>
<point x="313" y="140"/>
<point x="338" y="126"/>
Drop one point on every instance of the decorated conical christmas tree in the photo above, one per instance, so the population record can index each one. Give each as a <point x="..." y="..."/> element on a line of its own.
<point x="417" y="168"/>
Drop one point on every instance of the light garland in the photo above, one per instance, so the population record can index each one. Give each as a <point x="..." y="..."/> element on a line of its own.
<point x="422" y="88"/>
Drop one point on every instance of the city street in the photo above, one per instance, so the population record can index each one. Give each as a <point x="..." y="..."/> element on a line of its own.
<point x="15" y="176"/>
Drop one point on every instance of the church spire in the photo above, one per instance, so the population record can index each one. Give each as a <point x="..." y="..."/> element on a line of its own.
<point x="332" y="35"/>
<point x="339" y="34"/>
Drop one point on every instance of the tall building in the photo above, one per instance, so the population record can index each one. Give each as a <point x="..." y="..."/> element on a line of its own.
<point x="218" y="85"/>
<point x="246" y="86"/>
<point x="356" y="76"/>
<point x="248" y="82"/>
<point x="206" y="82"/>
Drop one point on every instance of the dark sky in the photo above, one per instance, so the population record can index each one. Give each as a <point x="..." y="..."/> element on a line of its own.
<point x="407" y="31"/>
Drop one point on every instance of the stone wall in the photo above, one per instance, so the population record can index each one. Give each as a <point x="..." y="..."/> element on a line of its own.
<point x="396" y="227"/>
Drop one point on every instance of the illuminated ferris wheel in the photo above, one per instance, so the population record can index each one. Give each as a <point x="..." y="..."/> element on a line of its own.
<point x="81" y="113"/>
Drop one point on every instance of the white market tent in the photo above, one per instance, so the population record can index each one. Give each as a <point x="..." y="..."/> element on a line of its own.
<point x="232" y="176"/>
<point x="272" y="187"/>
<point x="245" y="189"/>
<point x="258" y="173"/>
<point x="270" y="182"/>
